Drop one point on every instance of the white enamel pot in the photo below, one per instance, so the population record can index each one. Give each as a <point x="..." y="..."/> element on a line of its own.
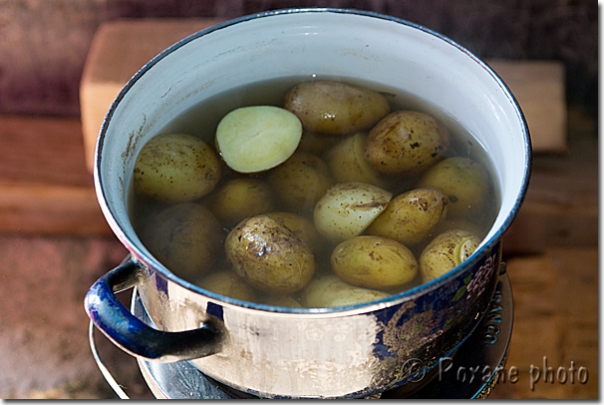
<point x="304" y="353"/>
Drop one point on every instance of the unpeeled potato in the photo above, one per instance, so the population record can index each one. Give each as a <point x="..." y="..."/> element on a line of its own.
<point x="328" y="290"/>
<point x="228" y="283"/>
<point x="175" y="168"/>
<point x="374" y="262"/>
<point x="410" y="217"/>
<point x="335" y="108"/>
<point x="464" y="181"/>
<point x="186" y="238"/>
<point x="347" y="163"/>
<point x="445" y="252"/>
<point x="240" y="198"/>
<point x="269" y="256"/>
<point x="406" y="143"/>
<point x="300" y="181"/>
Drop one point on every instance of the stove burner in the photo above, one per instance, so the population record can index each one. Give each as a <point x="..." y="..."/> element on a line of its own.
<point x="472" y="373"/>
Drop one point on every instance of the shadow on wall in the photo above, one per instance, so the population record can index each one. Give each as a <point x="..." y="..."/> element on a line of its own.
<point x="44" y="43"/>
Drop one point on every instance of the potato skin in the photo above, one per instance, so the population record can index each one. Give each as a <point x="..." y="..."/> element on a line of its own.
<point x="241" y="198"/>
<point x="176" y="168"/>
<point x="300" y="181"/>
<point x="374" y="262"/>
<point x="445" y="252"/>
<point x="406" y="143"/>
<point x="269" y="256"/>
<point x="409" y="217"/>
<point x="186" y="238"/>
<point x="303" y="228"/>
<point x="335" y="108"/>
<point x="464" y="181"/>
<point x="328" y="290"/>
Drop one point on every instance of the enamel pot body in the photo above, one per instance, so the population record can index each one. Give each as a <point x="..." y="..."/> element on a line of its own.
<point x="280" y="352"/>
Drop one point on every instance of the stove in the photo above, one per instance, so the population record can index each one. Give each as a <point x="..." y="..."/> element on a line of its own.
<point x="472" y="372"/>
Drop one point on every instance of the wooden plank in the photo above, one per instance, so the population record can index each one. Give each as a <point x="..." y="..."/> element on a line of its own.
<point x="118" y="50"/>
<point x="121" y="48"/>
<point x="555" y="323"/>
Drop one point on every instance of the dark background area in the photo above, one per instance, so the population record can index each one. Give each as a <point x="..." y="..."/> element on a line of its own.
<point x="44" y="43"/>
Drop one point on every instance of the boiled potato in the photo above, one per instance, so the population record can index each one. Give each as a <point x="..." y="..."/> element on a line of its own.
<point x="409" y="217"/>
<point x="269" y="256"/>
<point x="241" y="198"/>
<point x="257" y="138"/>
<point x="325" y="291"/>
<point x="186" y="238"/>
<point x="406" y="143"/>
<point x="303" y="228"/>
<point x="317" y="144"/>
<point x="300" y="181"/>
<point x="335" y="108"/>
<point x="347" y="209"/>
<point x="374" y="262"/>
<point x="281" y="301"/>
<point x="447" y="251"/>
<point x="464" y="181"/>
<point x="228" y="283"/>
<point x="347" y="163"/>
<point x="175" y="168"/>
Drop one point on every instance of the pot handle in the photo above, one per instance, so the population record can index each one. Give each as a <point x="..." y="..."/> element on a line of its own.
<point x="132" y="335"/>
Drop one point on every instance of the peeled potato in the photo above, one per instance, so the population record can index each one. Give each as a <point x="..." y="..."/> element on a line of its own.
<point x="406" y="143"/>
<point x="329" y="290"/>
<point x="176" y="168"/>
<point x="374" y="262"/>
<point x="241" y="198"/>
<point x="336" y="108"/>
<point x="447" y="251"/>
<point x="347" y="163"/>
<point x="257" y="138"/>
<point x="347" y="209"/>
<point x="411" y="216"/>
<point x="228" y="283"/>
<point x="269" y="256"/>
<point x="186" y="238"/>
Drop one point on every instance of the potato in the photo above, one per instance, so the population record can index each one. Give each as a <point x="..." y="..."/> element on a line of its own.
<point x="228" y="283"/>
<point x="336" y="108"/>
<point x="447" y="251"/>
<point x="300" y="181"/>
<point x="281" y="301"/>
<point x="406" y="143"/>
<point x="409" y="217"/>
<point x="269" y="256"/>
<point x="241" y="198"/>
<point x="347" y="209"/>
<point x="175" y="168"/>
<point x="317" y="144"/>
<point x="257" y="138"/>
<point x="464" y="181"/>
<point x="186" y="238"/>
<point x="329" y="290"/>
<point x="374" y="262"/>
<point x="347" y="163"/>
<point x="303" y="228"/>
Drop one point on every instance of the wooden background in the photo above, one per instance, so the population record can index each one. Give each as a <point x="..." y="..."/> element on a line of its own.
<point x="54" y="241"/>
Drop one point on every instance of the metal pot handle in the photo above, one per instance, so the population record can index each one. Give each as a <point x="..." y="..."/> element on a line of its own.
<point x="134" y="336"/>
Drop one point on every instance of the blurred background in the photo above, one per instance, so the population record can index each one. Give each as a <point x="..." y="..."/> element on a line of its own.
<point x="54" y="242"/>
